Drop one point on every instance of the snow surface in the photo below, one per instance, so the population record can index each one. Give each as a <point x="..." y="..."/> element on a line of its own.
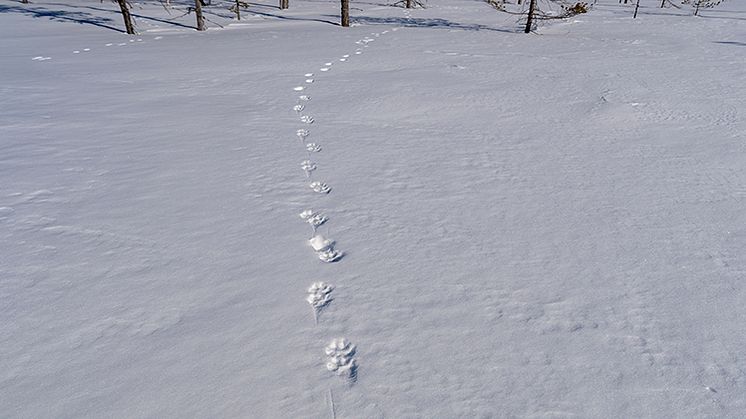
<point x="545" y="225"/>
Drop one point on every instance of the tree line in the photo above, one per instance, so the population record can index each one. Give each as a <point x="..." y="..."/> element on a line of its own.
<point x="532" y="10"/>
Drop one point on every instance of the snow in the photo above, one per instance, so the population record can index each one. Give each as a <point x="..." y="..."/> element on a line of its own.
<point x="544" y="225"/>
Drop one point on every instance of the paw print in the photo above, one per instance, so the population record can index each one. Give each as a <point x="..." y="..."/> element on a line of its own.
<point x="340" y="358"/>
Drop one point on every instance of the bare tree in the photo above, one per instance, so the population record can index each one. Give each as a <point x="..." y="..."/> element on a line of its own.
<point x="698" y="4"/>
<point x="126" y="16"/>
<point x="530" y="17"/>
<point x="236" y="8"/>
<point x="345" y="13"/>
<point x="284" y="4"/>
<point x="198" y="13"/>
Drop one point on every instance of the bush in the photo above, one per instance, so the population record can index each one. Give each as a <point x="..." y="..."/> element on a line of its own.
<point x="578" y="8"/>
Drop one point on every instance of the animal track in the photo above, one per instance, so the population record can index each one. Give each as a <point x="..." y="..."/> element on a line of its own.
<point x="308" y="166"/>
<point x="304" y="98"/>
<point x="307" y="119"/>
<point x="302" y="133"/>
<point x="298" y="88"/>
<point x="319" y="243"/>
<point x="320" y="187"/>
<point x="313" y="148"/>
<point x="319" y="295"/>
<point x="40" y="58"/>
<point x="324" y="69"/>
<point x="313" y="218"/>
<point x="309" y="81"/>
<point x="324" y="249"/>
<point x="308" y="75"/>
<point x="298" y="108"/>
<point x="340" y="358"/>
<point x="330" y="255"/>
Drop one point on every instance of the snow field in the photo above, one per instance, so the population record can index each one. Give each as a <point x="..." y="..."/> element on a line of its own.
<point x="533" y="226"/>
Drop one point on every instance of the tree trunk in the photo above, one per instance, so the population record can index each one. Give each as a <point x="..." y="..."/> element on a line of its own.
<point x="663" y="3"/>
<point x="345" y="13"/>
<point x="200" y="18"/>
<point x="696" y="10"/>
<point x="127" y="17"/>
<point x="637" y="6"/>
<point x="408" y="3"/>
<point x="284" y="4"/>
<point x="530" y="18"/>
<point x="238" y="9"/>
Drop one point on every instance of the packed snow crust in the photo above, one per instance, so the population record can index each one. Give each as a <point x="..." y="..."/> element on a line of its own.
<point x="542" y="225"/>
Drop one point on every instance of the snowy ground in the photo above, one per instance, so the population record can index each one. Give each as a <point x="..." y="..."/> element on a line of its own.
<point x="546" y="225"/>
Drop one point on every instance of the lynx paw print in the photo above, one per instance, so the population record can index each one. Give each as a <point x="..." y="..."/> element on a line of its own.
<point x="313" y="148"/>
<point x="330" y="255"/>
<point x="298" y="108"/>
<point x="302" y="134"/>
<point x="320" y="187"/>
<point x="319" y="295"/>
<point x="308" y="166"/>
<point x="314" y="218"/>
<point x="306" y="119"/>
<point x="340" y="358"/>
<point x="324" y="249"/>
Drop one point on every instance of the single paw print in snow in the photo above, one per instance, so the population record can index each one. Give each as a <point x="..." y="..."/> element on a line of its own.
<point x="40" y="58"/>
<point x="308" y="75"/>
<point x="320" y="187"/>
<point x="313" y="218"/>
<point x="298" y="108"/>
<point x="313" y="148"/>
<point x="306" y="119"/>
<point x="324" y="249"/>
<point x="324" y="69"/>
<point x="304" y="98"/>
<point x="302" y="133"/>
<point x="319" y="295"/>
<point x="298" y="88"/>
<point x="329" y="255"/>
<point x="340" y="358"/>
<point x="308" y="166"/>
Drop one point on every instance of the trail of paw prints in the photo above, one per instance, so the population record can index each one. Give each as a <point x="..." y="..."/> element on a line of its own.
<point x="110" y="44"/>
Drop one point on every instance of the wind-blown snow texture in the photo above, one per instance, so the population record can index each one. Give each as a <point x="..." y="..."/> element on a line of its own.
<point x="546" y="225"/>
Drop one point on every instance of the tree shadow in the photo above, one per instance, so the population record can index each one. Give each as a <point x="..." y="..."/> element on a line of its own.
<point x="720" y="17"/>
<point x="265" y="14"/>
<point x="61" y="16"/>
<point x="740" y="44"/>
<point x="135" y="15"/>
<point x="425" y="23"/>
